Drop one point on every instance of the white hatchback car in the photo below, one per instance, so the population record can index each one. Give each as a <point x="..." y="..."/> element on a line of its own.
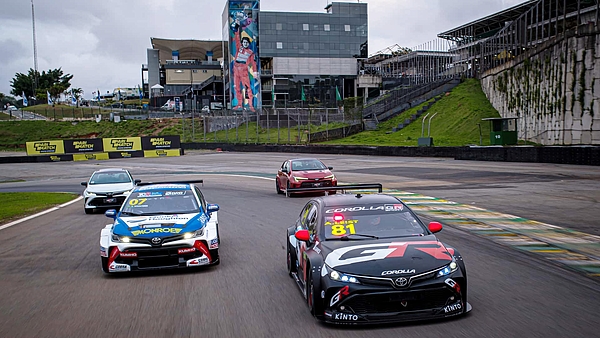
<point x="107" y="189"/>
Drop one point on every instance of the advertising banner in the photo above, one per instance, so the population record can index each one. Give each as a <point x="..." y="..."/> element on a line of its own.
<point x="90" y="156"/>
<point x="162" y="153"/>
<point x="125" y="154"/>
<point x="45" y="147"/>
<point x="244" y="62"/>
<point x="83" y="146"/>
<point x="55" y="158"/>
<point x="122" y="144"/>
<point x="160" y="142"/>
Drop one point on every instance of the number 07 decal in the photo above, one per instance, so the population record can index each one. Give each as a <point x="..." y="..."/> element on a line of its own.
<point x="137" y="201"/>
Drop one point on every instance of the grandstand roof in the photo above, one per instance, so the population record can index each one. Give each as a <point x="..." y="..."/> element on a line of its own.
<point x="188" y="49"/>
<point x="487" y="26"/>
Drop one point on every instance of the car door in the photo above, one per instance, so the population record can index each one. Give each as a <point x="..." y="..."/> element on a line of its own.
<point x="283" y="174"/>
<point x="307" y="221"/>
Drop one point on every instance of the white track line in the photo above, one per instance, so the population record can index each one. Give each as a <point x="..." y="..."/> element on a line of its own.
<point x="8" y="225"/>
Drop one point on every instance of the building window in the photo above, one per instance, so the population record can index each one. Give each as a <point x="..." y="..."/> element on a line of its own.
<point x="327" y="27"/>
<point x="305" y="27"/>
<point x="278" y="26"/>
<point x="279" y="45"/>
<point x="347" y="28"/>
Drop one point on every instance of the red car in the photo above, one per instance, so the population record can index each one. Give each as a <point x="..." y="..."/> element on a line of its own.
<point x="303" y="173"/>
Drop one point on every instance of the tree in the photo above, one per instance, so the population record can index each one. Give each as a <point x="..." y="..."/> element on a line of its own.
<point x="50" y="81"/>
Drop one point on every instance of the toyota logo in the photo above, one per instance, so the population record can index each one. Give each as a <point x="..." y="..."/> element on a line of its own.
<point x="156" y="240"/>
<point x="401" y="281"/>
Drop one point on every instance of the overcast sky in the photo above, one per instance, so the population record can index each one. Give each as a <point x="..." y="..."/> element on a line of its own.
<point x="103" y="43"/>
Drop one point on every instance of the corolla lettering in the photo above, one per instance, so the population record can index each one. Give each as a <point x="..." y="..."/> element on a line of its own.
<point x="397" y="272"/>
<point x="352" y="209"/>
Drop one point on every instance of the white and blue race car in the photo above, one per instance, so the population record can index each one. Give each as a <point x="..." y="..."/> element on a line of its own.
<point x="161" y="226"/>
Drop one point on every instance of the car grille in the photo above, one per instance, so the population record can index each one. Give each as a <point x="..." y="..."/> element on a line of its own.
<point x="160" y="257"/>
<point x="392" y="302"/>
<point x="316" y="184"/>
<point x="99" y="201"/>
<point x="149" y="240"/>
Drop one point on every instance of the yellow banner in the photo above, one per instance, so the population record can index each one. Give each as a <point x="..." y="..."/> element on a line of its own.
<point x="45" y="147"/>
<point x="122" y="143"/>
<point x="93" y="156"/>
<point x="161" y="153"/>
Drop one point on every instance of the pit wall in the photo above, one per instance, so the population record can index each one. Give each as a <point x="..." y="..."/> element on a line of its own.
<point x="554" y="91"/>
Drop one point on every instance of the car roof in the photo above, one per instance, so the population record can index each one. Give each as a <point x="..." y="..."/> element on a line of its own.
<point x="110" y="169"/>
<point x="354" y="199"/>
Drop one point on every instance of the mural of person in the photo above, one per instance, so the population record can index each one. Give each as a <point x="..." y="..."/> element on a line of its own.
<point x="244" y="61"/>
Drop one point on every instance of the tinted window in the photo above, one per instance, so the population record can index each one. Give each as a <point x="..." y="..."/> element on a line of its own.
<point x="110" y="177"/>
<point x="381" y="220"/>
<point x="167" y="201"/>
<point x="308" y="165"/>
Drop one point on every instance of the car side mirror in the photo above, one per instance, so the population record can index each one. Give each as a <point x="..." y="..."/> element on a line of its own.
<point x="302" y="235"/>
<point x="212" y="208"/>
<point x="84" y="184"/>
<point x="137" y="181"/>
<point x="111" y="213"/>
<point x="435" y="227"/>
<point x="330" y="168"/>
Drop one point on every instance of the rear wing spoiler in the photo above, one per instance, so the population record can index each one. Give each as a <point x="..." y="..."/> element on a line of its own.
<point x="342" y="188"/>
<point x="172" y="182"/>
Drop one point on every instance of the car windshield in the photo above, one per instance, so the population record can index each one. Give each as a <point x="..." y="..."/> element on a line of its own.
<point x="160" y="202"/>
<point x="110" y="178"/>
<point x="380" y="220"/>
<point x="307" y="165"/>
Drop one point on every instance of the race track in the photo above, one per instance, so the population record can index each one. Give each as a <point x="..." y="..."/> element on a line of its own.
<point x="51" y="284"/>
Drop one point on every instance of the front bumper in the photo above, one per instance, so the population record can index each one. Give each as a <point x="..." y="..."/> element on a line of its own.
<point x="311" y="183"/>
<point x="104" y="201"/>
<point x="176" y="255"/>
<point x="437" y="298"/>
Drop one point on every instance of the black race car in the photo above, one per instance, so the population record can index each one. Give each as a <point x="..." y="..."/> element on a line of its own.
<point x="367" y="258"/>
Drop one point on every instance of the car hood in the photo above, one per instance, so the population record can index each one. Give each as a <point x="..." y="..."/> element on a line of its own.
<point x="159" y="225"/>
<point x="105" y="188"/>
<point x="377" y="258"/>
<point x="313" y="173"/>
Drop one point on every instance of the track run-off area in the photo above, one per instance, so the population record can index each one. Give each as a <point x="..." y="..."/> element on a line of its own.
<point x="529" y="234"/>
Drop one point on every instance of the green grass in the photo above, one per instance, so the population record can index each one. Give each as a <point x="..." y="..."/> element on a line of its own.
<point x="19" y="204"/>
<point x="456" y="122"/>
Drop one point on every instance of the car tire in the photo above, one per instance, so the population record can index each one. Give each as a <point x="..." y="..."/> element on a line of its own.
<point x="215" y="253"/>
<point x="277" y="188"/>
<point x="309" y="290"/>
<point x="287" y="194"/>
<point x="104" y="263"/>
<point x="291" y="260"/>
<point x="88" y="211"/>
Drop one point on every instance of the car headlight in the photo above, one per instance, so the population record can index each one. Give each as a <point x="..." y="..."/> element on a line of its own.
<point x="448" y="269"/>
<point x="332" y="176"/>
<point x="341" y="277"/>
<point x="300" y="178"/>
<point x="87" y="194"/>
<point x="120" y="239"/>
<point x="193" y="234"/>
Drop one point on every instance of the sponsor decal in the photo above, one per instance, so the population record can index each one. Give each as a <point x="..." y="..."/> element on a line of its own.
<point x="373" y="252"/>
<point x="128" y="254"/>
<point x="316" y="247"/>
<point x="118" y="267"/>
<point x="83" y="145"/>
<point x="103" y="252"/>
<point x="354" y="209"/>
<point x="453" y="307"/>
<point x="168" y="218"/>
<point x="125" y="155"/>
<point x="55" y="158"/>
<point x="185" y="251"/>
<point x="345" y="291"/>
<point x="394" y="207"/>
<point x="174" y="193"/>
<point x="198" y="261"/>
<point x="203" y="218"/>
<point x="149" y="194"/>
<point x="164" y="186"/>
<point x="451" y="283"/>
<point x="397" y="272"/>
<point x="121" y="143"/>
<point x="345" y="316"/>
<point x="214" y="243"/>
<point x="157" y="231"/>
<point x="44" y="147"/>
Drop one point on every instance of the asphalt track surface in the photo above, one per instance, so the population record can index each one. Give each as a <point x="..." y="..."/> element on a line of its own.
<point x="51" y="284"/>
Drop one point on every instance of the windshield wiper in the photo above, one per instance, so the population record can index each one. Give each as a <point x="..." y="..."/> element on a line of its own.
<point x="347" y="237"/>
<point x="411" y="235"/>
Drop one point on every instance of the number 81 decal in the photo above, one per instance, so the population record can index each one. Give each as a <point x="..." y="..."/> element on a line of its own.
<point x="342" y="228"/>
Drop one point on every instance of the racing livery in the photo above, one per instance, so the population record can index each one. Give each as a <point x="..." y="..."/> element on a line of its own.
<point x="364" y="259"/>
<point x="161" y="226"/>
